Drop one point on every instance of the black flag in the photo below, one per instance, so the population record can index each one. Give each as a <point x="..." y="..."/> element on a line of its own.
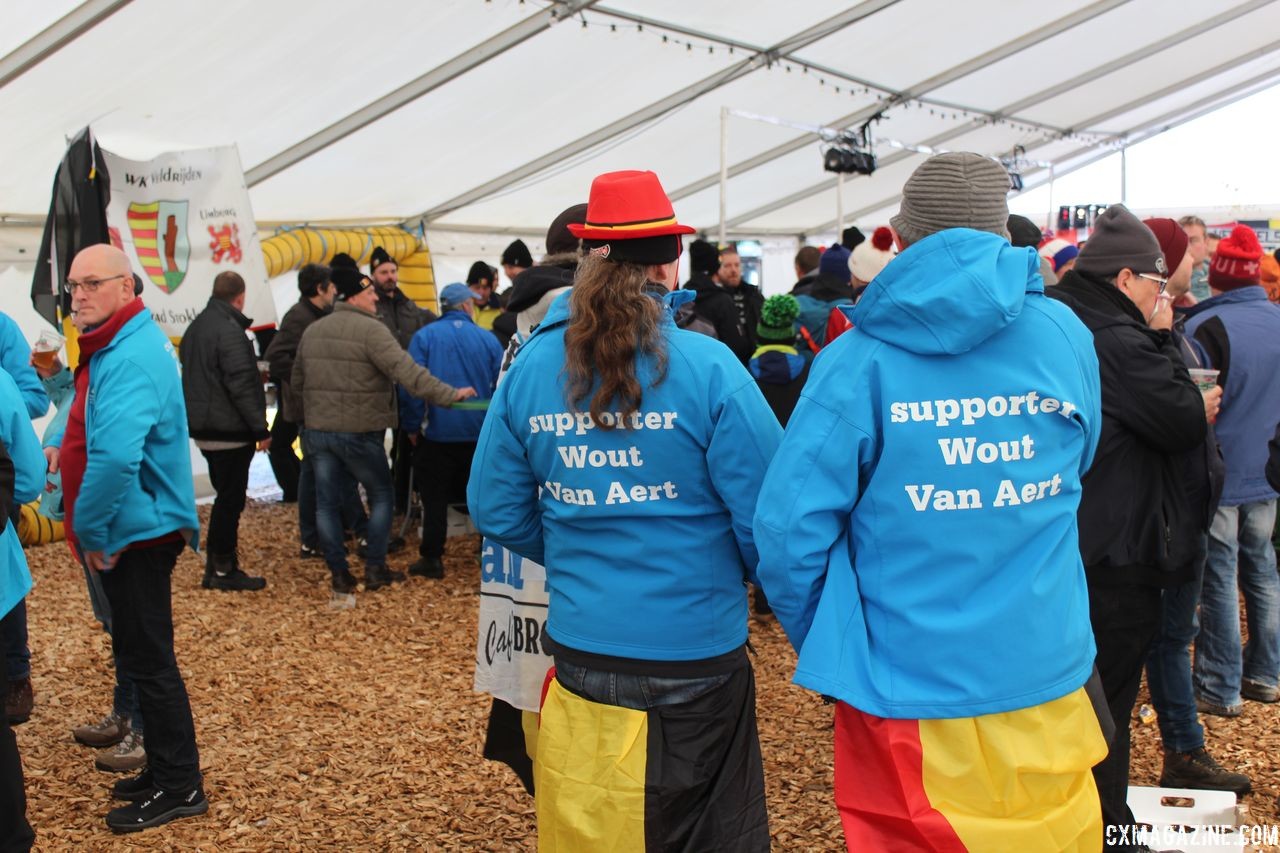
<point x="77" y="218"/>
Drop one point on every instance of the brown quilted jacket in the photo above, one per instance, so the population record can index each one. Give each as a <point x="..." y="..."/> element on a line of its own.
<point x="346" y="372"/>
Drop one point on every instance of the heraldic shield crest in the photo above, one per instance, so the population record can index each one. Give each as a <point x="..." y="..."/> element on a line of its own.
<point x="159" y="232"/>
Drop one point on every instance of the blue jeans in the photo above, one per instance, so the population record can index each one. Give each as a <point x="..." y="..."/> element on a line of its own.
<point x="1169" y="663"/>
<point x="17" y="659"/>
<point x="639" y="692"/>
<point x="124" y="699"/>
<point x="336" y="457"/>
<point x="1239" y="548"/>
<point x="353" y="517"/>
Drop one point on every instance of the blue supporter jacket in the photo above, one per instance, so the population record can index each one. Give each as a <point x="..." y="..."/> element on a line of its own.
<point x="15" y="359"/>
<point x="458" y="352"/>
<point x="20" y="440"/>
<point x="917" y="528"/>
<point x="645" y="531"/>
<point x="137" y="479"/>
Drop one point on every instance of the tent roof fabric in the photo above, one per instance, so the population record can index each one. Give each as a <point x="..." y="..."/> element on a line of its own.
<point x="496" y="114"/>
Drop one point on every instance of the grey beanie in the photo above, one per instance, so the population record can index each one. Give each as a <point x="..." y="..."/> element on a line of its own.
<point x="954" y="190"/>
<point x="1120" y="241"/>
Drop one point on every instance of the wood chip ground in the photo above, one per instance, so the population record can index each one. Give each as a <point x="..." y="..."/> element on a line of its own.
<point x="359" y="730"/>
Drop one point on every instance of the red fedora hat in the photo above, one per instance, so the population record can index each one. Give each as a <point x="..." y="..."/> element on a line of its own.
<point x="627" y="206"/>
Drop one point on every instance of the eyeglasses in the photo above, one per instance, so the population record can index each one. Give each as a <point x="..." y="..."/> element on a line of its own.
<point x="89" y="285"/>
<point x="1163" y="282"/>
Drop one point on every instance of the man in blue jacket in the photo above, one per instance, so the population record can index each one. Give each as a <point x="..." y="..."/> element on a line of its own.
<point x="130" y="510"/>
<point x="918" y="541"/>
<point x="462" y="354"/>
<point x="1240" y="330"/>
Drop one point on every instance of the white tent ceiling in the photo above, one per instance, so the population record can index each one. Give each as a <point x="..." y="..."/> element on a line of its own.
<point x="494" y="116"/>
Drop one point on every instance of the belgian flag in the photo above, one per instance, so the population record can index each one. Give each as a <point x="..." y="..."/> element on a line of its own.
<point x="687" y="776"/>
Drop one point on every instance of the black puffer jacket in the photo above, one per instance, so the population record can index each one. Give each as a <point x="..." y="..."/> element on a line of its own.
<point x="717" y="307"/>
<point x="1135" y="524"/>
<point x="283" y="350"/>
<point x="220" y="379"/>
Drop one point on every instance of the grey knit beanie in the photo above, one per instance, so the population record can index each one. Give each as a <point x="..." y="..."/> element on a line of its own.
<point x="1119" y="241"/>
<point x="954" y="190"/>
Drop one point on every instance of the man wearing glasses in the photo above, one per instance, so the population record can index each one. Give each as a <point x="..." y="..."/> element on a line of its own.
<point x="1137" y="533"/>
<point x="130" y="510"/>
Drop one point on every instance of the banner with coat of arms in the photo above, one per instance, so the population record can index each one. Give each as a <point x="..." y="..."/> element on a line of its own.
<point x="182" y="218"/>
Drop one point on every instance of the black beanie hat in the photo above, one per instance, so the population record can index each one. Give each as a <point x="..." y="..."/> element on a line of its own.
<point x="342" y="259"/>
<point x="350" y="282"/>
<point x="703" y="257"/>
<point x="517" y="255"/>
<point x="851" y="237"/>
<point x="1119" y="241"/>
<point x="1023" y="232"/>
<point x="380" y="257"/>
<point x="559" y="240"/>
<point x="480" y="271"/>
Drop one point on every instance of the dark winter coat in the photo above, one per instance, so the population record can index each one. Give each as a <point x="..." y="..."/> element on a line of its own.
<point x="805" y="284"/>
<point x="402" y="316"/>
<point x="1135" y="525"/>
<point x="284" y="349"/>
<point x="716" y="306"/>
<point x="220" y="378"/>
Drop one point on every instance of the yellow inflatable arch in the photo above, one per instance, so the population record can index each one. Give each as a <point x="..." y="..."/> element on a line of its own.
<point x="296" y="247"/>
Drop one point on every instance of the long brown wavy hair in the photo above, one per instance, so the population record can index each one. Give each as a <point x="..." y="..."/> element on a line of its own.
<point x="612" y="323"/>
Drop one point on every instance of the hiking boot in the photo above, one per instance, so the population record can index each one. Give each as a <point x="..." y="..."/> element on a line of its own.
<point x="1204" y="706"/>
<point x="235" y="581"/>
<point x="157" y="808"/>
<point x="19" y="699"/>
<point x="306" y="552"/>
<point x="134" y="788"/>
<point x="376" y="577"/>
<point x="1250" y="689"/>
<point x="431" y="568"/>
<point x="394" y="546"/>
<point x="343" y="582"/>
<point x="108" y="731"/>
<point x="1197" y="769"/>
<point x="127" y="756"/>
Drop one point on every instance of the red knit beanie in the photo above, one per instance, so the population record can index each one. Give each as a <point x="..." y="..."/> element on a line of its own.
<point x="1236" y="261"/>
<point x="1173" y="240"/>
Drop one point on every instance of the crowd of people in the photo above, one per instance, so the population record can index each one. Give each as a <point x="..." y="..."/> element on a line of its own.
<point x="984" y="477"/>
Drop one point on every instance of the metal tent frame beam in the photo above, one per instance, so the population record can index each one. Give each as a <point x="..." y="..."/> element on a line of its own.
<point x="1008" y="111"/>
<point x="56" y="36"/>
<point x="471" y="58"/>
<point x="951" y="75"/>
<point x="1128" y="107"/>
<point x="658" y="108"/>
<point x="1168" y="121"/>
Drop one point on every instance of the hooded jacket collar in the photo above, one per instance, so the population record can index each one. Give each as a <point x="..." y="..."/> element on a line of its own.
<point x="1252" y="293"/>
<point x="230" y="310"/>
<point x="1097" y="296"/>
<point x="949" y="292"/>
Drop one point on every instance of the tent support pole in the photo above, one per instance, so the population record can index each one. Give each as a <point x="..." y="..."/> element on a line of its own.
<point x="724" y="176"/>
<point x="839" y="205"/>
<point x="1124" y="175"/>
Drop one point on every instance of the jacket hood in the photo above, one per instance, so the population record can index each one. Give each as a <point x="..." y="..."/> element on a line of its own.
<point x="558" y="313"/>
<point x="1098" y="304"/>
<point x="534" y="283"/>
<point x="949" y="292"/>
<point x="230" y="310"/>
<point x="1253" y="293"/>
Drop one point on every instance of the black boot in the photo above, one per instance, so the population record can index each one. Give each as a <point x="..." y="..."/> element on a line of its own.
<point x="428" y="567"/>
<point x="224" y="573"/>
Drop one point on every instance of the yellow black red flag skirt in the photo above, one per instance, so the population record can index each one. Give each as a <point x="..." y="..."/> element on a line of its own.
<point x="684" y="777"/>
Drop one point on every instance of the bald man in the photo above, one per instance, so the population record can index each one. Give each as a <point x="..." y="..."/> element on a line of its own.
<point x="130" y="510"/>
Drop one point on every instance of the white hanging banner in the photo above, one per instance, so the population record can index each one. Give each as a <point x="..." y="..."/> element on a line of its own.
<point x="182" y="218"/>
